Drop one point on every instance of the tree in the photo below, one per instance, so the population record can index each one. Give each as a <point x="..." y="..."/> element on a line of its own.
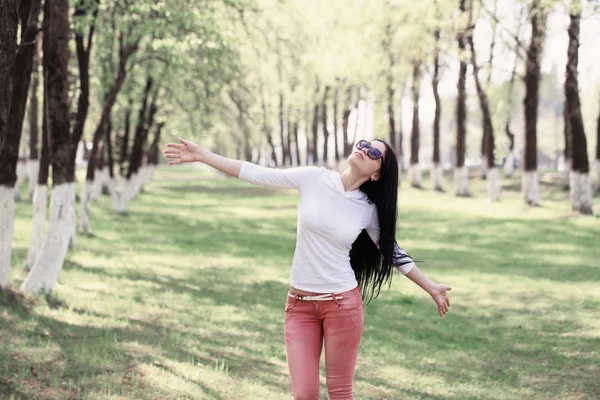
<point x="461" y="173"/>
<point x="581" y="190"/>
<point x="415" y="170"/>
<point x="436" y="171"/>
<point x="530" y="185"/>
<point x="488" y="128"/>
<point x="19" y="88"/>
<point x="47" y="267"/>
<point x="33" y="163"/>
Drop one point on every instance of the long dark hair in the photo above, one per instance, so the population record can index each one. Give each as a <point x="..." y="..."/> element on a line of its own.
<point x="372" y="266"/>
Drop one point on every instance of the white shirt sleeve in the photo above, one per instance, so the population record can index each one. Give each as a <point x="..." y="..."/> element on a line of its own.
<point x="402" y="260"/>
<point x="291" y="178"/>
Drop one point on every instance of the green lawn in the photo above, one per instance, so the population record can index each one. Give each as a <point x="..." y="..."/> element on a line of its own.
<point x="183" y="297"/>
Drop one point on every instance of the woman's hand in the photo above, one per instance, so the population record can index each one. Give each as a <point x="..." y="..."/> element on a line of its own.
<point x="181" y="153"/>
<point x="438" y="293"/>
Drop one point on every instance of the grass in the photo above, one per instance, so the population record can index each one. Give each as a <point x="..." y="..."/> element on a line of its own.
<point x="182" y="298"/>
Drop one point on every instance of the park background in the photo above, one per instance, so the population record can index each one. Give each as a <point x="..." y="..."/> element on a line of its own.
<point x="125" y="278"/>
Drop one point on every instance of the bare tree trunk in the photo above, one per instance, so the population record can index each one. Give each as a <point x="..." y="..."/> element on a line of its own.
<point x="437" y="173"/>
<point x="347" y="146"/>
<point x="315" y="127"/>
<point x="9" y="22"/>
<point x="336" y="92"/>
<point x="415" y="169"/>
<point x="125" y="143"/>
<point x="581" y="189"/>
<point x="509" y="162"/>
<point x="288" y="146"/>
<point x="267" y="127"/>
<point x="295" y="130"/>
<point x="284" y="160"/>
<point x="325" y="130"/>
<point x="488" y="129"/>
<point x="461" y="181"/>
<point x="530" y="184"/>
<point x="306" y="130"/>
<point x="45" y="272"/>
<point x="33" y="164"/>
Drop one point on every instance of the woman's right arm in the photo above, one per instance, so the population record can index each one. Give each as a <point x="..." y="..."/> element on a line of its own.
<point x="190" y="152"/>
<point x="293" y="178"/>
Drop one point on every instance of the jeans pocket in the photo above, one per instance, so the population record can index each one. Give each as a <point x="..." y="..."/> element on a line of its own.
<point x="290" y="303"/>
<point x="349" y="304"/>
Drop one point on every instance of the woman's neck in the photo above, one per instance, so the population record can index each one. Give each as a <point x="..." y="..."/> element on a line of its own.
<point x="351" y="181"/>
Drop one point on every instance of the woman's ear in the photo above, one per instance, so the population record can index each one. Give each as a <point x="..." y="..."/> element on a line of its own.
<point x="375" y="176"/>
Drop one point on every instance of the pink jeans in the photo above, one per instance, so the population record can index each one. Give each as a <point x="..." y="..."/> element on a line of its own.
<point x="340" y="324"/>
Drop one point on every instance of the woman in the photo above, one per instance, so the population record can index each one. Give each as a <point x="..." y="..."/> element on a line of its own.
<point x="345" y="251"/>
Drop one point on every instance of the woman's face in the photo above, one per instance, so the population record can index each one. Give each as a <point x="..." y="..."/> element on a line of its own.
<point x="365" y="165"/>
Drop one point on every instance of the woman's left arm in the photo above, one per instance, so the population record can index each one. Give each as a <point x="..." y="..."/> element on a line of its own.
<point x="437" y="291"/>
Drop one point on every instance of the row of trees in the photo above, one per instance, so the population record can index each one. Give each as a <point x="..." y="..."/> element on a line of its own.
<point x="288" y="83"/>
<point x="127" y="56"/>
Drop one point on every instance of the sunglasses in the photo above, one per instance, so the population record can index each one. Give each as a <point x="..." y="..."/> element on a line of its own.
<point x="372" y="153"/>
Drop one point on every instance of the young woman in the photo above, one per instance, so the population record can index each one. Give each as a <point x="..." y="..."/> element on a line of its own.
<point x="345" y="251"/>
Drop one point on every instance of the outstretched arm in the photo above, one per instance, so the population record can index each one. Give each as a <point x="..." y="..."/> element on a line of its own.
<point x="406" y="265"/>
<point x="187" y="151"/>
<point x="292" y="178"/>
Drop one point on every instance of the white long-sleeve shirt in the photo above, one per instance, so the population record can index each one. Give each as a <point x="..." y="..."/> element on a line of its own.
<point x="329" y="221"/>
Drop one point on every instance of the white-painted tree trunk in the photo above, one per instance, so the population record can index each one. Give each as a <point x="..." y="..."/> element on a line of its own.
<point x="596" y="164"/>
<point x="99" y="178"/>
<point x="47" y="267"/>
<point x="581" y="192"/>
<point x="567" y="174"/>
<point x="128" y="191"/>
<point x="39" y="225"/>
<point x="530" y="188"/>
<point x="414" y="172"/>
<point x="493" y="184"/>
<point x="84" y="204"/>
<point x="484" y="167"/>
<point x="437" y="173"/>
<point x="7" y="225"/>
<point x="509" y="164"/>
<point x="461" y="181"/>
<point x="33" y="167"/>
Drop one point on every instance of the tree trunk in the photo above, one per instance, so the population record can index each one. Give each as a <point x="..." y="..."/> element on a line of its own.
<point x="9" y="22"/>
<point x="598" y="153"/>
<point x="315" y="127"/>
<point x="296" y="131"/>
<point x="415" y="170"/>
<point x="336" y="93"/>
<point x="437" y="172"/>
<point x="488" y="129"/>
<point x="325" y="129"/>
<point x="267" y="127"/>
<point x="11" y="135"/>
<point x="530" y="184"/>
<point x="40" y="195"/>
<point x="133" y="182"/>
<point x="509" y="161"/>
<point x="347" y="146"/>
<point x="33" y="164"/>
<point x="153" y="154"/>
<point x="568" y="141"/>
<point x="45" y="272"/>
<point x="581" y="189"/>
<point x="109" y="174"/>
<point x="125" y="141"/>
<point x="461" y="181"/>
<point x="390" y="111"/>
<point x="284" y="160"/>
<point x="83" y="62"/>
<point x="288" y="146"/>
